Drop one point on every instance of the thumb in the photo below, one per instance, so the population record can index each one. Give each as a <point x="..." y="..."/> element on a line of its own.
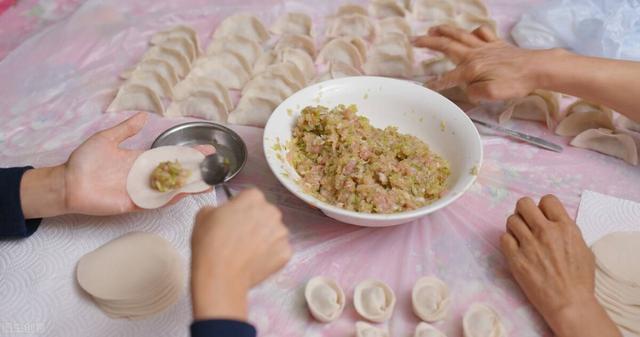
<point x="448" y="80"/>
<point x="128" y="128"/>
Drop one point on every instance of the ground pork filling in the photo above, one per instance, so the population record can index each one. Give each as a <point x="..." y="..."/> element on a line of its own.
<point x="168" y="175"/>
<point x="345" y="161"/>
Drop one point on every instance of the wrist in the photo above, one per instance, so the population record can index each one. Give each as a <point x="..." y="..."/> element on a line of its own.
<point x="218" y="294"/>
<point x="549" y="66"/>
<point x="585" y="317"/>
<point x="43" y="193"/>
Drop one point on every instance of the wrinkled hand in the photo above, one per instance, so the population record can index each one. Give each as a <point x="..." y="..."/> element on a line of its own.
<point x="553" y="266"/>
<point x="492" y="69"/>
<point x="235" y="247"/>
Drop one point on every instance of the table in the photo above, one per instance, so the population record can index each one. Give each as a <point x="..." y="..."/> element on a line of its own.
<point x="59" y="72"/>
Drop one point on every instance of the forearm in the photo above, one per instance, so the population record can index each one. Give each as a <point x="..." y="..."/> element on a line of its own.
<point x="217" y="295"/>
<point x="588" y="319"/>
<point x="612" y="83"/>
<point x="42" y="192"/>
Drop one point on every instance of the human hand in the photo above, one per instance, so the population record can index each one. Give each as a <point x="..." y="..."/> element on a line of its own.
<point x="235" y="247"/>
<point x="554" y="267"/>
<point x="492" y="69"/>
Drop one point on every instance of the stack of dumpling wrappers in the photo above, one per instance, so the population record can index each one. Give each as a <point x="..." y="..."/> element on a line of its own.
<point x="618" y="278"/>
<point x="134" y="276"/>
<point x="264" y="66"/>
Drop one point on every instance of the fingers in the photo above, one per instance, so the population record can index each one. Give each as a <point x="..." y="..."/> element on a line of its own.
<point x="205" y="149"/>
<point x="448" y="80"/>
<point x="485" y="33"/>
<point x="519" y="230"/>
<point x="553" y="209"/>
<point x="532" y="215"/>
<point x="453" y="49"/>
<point x="129" y="128"/>
<point x="508" y="245"/>
<point x="456" y="34"/>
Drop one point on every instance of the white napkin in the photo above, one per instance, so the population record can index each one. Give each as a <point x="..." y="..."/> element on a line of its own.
<point x="601" y="214"/>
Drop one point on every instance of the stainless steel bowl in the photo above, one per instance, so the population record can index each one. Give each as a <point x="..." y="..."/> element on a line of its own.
<point x="226" y="141"/>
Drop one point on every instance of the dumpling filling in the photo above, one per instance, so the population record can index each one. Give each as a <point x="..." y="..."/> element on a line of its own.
<point x="168" y="176"/>
<point x="345" y="161"/>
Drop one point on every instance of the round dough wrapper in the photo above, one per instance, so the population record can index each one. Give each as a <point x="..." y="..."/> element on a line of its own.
<point x="364" y="329"/>
<point x="430" y="299"/>
<point x="480" y="320"/>
<point x="617" y="253"/>
<point x="374" y="300"/>
<point x="325" y="298"/>
<point x="138" y="185"/>
<point x="427" y="330"/>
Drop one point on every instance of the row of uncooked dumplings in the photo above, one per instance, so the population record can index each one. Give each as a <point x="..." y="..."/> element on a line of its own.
<point x="375" y="301"/>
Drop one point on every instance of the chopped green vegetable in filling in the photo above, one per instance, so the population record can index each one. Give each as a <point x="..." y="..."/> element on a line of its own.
<point x="169" y="175"/>
<point x="345" y="161"/>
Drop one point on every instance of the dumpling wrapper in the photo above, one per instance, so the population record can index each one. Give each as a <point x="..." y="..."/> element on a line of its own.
<point x="540" y="105"/>
<point x="427" y="330"/>
<point x="394" y="25"/>
<point x="200" y="104"/>
<point x="430" y="299"/>
<point x="617" y="253"/>
<point x="351" y="9"/>
<point x="583" y="115"/>
<point x="325" y="299"/>
<point x="364" y="329"/>
<point x="481" y="320"/>
<point x="244" y="25"/>
<point x="250" y="50"/>
<point x="136" y="97"/>
<point x="374" y="300"/>
<point x="386" y="8"/>
<point x="341" y="50"/>
<point x="352" y="25"/>
<point x="434" y="11"/>
<point x="297" y="41"/>
<point x="605" y="141"/>
<point x="292" y="23"/>
<point x="194" y="83"/>
<point x="161" y="67"/>
<point x="338" y="70"/>
<point x="177" y="31"/>
<point x="138" y="180"/>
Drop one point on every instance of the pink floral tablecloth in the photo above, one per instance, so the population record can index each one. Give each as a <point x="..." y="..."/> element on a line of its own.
<point x="59" y="65"/>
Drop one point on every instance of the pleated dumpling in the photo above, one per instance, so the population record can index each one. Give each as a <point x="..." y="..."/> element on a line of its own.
<point x="136" y="97"/>
<point x="181" y="44"/>
<point x="177" y="60"/>
<point x="249" y="49"/>
<point x="298" y="41"/>
<point x="162" y="67"/>
<point x="352" y="25"/>
<point x="427" y="330"/>
<point x="386" y="8"/>
<point x="200" y="104"/>
<point x="619" y="145"/>
<point x="325" y="299"/>
<point x="253" y="111"/>
<point x="301" y="59"/>
<point x="540" y="105"/>
<point x="394" y="25"/>
<point x="153" y="80"/>
<point x="341" y="50"/>
<point x="364" y="329"/>
<point x="481" y="320"/>
<point x="242" y="24"/>
<point x="349" y="9"/>
<point x="391" y="55"/>
<point x="293" y="23"/>
<point x="193" y="84"/>
<point x="430" y="299"/>
<point x="433" y="11"/>
<point x="229" y="68"/>
<point x="374" y="300"/>
<point x="338" y="70"/>
<point x="583" y="115"/>
<point x="285" y="72"/>
<point x="179" y="31"/>
<point x="470" y="21"/>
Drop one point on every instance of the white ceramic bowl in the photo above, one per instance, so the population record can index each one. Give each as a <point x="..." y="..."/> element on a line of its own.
<point x="412" y="108"/>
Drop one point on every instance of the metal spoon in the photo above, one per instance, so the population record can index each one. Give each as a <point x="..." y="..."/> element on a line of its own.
<point x="214" y="169"/>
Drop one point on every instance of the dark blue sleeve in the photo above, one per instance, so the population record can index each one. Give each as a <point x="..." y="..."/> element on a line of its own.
<point x="222" y="328"/>
<point x="12" y="221"/>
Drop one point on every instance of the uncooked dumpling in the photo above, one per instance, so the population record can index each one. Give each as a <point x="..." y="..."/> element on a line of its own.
<point x="250" y="50"/>
<point x="244" y="25"/>
<point x="540" y="105"/>
<point x="582" y="116"/>
<point x="351" y="9"/>
<point x="302" y="42"/>
<point x="436" y="66"/>
<point x="134" y="276"/>
<point x="268" y="58"/>
<point x="178" y="62"/>
<point x="341" y="50"/>
<point x="626" y="124"/>
<point x="163" y="68"/>
<point x="182" y="45"/>
<point x="138" y="180"/>
<point x="481" y="320"/>
<point x="473" y="7"/>
<point x="325" y="299"/>
<point x="180" y="31"/>
<point x="195" y="83"/>
<point x="301" y="59"/>
<point x="391" y="55"/>
<point x="364" y="329"/>
<point x="394" y="25"/>
<point x="430" y="299"/>
<point x="136" y="97"/>
<point x="426" y="330"/>
<point x="253" y="111"/>
<point x="434" y="11"/>
<point x="338" y="70"/>
<point x="200" y="104"/>
<point x="292" y="23"/>
<point x="152" y="80"/>
<point x="618" y="145"/>
<point x="374" y="300"/>
<point x="385" y="9"/>
<point x="229" y="68"/>
<point x="287" y="71"/>
<point x="470" y="22"/>
<point x="352" y="25"/>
